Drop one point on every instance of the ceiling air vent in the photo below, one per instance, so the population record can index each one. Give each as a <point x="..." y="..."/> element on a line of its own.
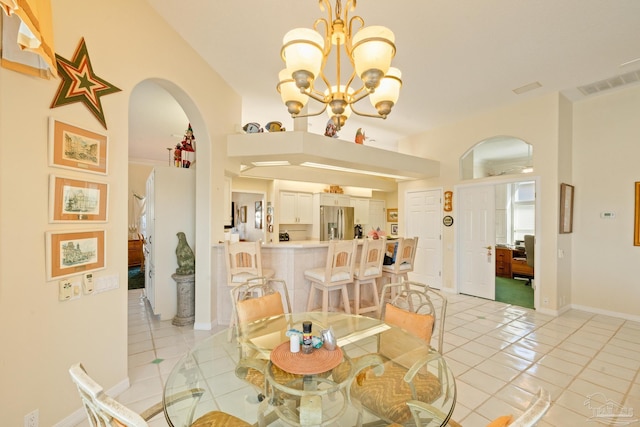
<point x="611" y="83"/>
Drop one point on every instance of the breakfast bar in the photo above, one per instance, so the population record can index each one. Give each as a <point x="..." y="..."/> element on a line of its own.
<point x="289" y="260"/>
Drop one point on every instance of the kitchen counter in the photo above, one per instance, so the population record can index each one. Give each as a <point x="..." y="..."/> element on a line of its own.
<point x="289" y="260"/>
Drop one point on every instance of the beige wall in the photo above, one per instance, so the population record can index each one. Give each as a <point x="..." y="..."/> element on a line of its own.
<point x="592" y="144"/>
<point x="605" y="154"/>
<point x="40" y="336"/>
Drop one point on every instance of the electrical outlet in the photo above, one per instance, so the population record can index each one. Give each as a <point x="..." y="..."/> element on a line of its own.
<point x="31" y="419"/>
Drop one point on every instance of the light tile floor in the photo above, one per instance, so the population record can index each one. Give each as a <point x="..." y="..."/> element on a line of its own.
<point x="500" y="355"/>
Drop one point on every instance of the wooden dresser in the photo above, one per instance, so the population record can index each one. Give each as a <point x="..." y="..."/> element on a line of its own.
<point x="503" y="262"/>
<point x="512" y="262"/>
<point x="136" y="255"/>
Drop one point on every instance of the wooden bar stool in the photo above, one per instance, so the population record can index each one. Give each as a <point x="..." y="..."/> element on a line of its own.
<point x="366" y="274"/>
<point x="335" y="275"/>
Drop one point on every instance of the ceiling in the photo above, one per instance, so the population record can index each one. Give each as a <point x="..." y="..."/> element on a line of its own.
<point x="458" y="58"/>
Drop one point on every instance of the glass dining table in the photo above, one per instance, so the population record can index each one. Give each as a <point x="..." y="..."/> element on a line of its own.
<point x="250" y="373"/>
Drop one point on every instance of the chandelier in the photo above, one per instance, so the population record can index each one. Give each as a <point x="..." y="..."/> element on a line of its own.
<point x="370" y="51"/>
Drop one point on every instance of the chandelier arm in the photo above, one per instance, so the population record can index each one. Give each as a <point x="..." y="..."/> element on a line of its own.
<point x="349" y="46"/>
<point x="359" y="95"/>
<point x="375" y="116"/>
<point x="326" y="4"/>
<point x="310" y="114"/>
<point x="314" y="94"/>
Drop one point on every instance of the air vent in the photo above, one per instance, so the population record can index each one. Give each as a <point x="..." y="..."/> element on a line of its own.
<point x="611" y="83"/>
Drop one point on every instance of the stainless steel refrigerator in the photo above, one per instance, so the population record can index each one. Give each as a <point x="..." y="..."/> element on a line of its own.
<point x="336" y="222"/>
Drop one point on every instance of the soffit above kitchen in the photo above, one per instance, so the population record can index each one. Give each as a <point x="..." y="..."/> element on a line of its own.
<point x="296" y="154"/>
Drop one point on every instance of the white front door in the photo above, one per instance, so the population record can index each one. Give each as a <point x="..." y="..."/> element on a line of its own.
<point x="424" y="221"/>
<point x="476" y="241"/>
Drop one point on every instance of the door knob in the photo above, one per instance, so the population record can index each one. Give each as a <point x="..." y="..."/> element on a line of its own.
<point x="488" y="247"/>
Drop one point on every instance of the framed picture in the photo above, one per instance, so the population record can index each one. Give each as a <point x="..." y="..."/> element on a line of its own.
<point x="242" y="214"/>
<point x="566" y="208"/>
<point x="258" y="215"/>
<point x="392" y="215"/>
<point x="636" y="217"/>
<point x="71" y="147"/>
<point x="74" y="252"/>
<point x="75" y="200"/>
<point x="394" y="229"/>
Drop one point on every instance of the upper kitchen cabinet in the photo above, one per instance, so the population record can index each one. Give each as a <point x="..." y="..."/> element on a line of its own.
<point x="296" y="208"/>
<point x="334" y="199"/>
<point x="361" y="210"/>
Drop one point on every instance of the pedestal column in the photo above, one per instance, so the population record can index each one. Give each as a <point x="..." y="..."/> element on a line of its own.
<point x="186" y="299"/>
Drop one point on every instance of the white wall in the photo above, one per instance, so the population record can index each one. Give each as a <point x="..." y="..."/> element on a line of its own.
<point x="606" y="149"/>
<point x="40" y="336"/>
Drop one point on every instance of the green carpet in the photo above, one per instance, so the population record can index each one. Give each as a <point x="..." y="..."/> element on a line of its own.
<point x="512" y="291"/>
<point x="136" y="278"/>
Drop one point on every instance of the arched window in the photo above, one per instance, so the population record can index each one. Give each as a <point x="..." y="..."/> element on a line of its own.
<point x="498" y="155"/>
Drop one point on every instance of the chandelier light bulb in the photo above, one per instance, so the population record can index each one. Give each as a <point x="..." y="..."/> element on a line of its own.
<point x="290" y="94"/>
<point x="388" y="92"/>
<point x="302" y="51"/>
<point x="373" y="49"/>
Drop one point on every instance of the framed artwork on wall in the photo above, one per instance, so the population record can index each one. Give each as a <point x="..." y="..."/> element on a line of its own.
<point x="74" y="252"/>
<point x="72" y="147"/>
<point x="75" y="200"/>
<point x="392" y="215"/>
<point x="394" y="229"/>
<point x="566" y="208"/>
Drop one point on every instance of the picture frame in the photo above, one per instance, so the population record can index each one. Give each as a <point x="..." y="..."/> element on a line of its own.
<point x="72" y="147"/>
<point x="566" y="208"/>
<point x="77" y="200"/>
<point x="74" y="252"/>
<point x="258" y="209"/>
<point x="242" y="213"/>
<point x="392" y="215"/>
<point x="636" y="217"/>
<point x="394" y="229"/>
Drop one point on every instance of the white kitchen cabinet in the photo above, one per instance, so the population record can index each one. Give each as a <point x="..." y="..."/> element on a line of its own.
<point x="360" y="210"/>
<point x="334" y="199"/>
<point x="377" y="215"/>
<point x="170" y="209"/>
<point x="296" y="208"/>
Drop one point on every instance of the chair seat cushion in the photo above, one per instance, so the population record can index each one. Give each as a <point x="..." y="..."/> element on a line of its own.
<point x="217" y="418"/>
<point x="369" y="272"/>
<point x="317" y="274"/>
<point x="387" y="395"/>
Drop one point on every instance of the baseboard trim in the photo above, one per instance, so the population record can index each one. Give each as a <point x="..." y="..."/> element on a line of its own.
<point x="595" y="310"/>
<point x="80" y="415"/>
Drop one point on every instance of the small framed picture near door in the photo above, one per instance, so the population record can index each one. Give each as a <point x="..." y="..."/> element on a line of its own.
<point x="566" y="208"/>
<point x="392" y="215"/>
<point x="258" y="215"/>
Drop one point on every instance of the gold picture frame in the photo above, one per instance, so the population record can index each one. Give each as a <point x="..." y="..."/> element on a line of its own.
<point x="74" y="252"/>
<point x="636" y="217"/>
<point x="566" y="208"/>
<point x="72" y="147"/>
<point x="77" y="200"/>
<point x="392" y="215"/>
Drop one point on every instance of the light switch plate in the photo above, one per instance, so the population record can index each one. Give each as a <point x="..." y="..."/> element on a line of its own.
<point x="87" y="283"/>
<point x="65" y="291"/>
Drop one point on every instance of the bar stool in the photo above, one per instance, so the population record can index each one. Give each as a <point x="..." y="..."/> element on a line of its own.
<point x="244" y="262"/>
<point x="335" y="275"/>
<point x="404" y="258"/>
<point x="366" y="273"/>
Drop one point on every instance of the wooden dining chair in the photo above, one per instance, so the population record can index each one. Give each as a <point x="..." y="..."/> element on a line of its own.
<point x="403" y="261"/>
<point x="104" y="411"/>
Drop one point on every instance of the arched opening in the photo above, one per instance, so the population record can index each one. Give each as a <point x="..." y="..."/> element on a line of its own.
<point x="159" y="114"/>
<point x="496" y="156"/>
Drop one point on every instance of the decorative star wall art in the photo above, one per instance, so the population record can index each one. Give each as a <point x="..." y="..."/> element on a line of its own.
<point x="80" y="84"/>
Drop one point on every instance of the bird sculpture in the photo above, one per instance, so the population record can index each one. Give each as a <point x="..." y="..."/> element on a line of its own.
<point x="186" y="259"/>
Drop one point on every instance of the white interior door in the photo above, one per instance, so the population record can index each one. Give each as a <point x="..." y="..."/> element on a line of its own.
<point x="423" y="221"/>
<point x="476" y="241"/>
